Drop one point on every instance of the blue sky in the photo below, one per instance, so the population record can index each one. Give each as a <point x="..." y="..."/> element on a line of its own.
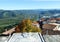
<point x="29" y="4"/>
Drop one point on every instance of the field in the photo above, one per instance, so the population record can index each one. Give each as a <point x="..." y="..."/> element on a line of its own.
<point x="8" y="23"/>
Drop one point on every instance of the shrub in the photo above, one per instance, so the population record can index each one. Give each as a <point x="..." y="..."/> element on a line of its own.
<point x="26" y="26"/>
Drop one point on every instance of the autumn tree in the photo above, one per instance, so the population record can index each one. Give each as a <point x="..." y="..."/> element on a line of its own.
<point x="26" y="26"/>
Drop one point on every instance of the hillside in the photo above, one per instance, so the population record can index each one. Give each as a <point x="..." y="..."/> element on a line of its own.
<point x="9" y="18"/>
<point x="15" y="13"/>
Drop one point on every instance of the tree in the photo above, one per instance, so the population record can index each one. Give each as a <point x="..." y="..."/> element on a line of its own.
<point x="26" y="26"/>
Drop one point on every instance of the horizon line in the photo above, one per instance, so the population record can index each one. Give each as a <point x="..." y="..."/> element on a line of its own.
<point x="29" y="9"/>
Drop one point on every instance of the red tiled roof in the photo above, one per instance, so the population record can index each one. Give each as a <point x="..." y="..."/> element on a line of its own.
<point x="58" y="19"/>
<point x="49" y="26"/>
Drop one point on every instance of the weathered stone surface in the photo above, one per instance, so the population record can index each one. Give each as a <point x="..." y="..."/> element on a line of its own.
<point x="52" y="38"/>
<point x="25" y="37"/>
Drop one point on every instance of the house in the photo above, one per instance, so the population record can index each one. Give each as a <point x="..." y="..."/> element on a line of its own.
<point x="35" y="24"/>
<point x="57" y="26"/>
<point x="58" y="19"/>
<point x="52" y="20"/>
<point x="49" y="26"/>
<point x="51" y="29"/>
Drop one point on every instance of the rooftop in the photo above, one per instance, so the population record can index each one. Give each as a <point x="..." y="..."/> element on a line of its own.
<point x="54" y="23"/>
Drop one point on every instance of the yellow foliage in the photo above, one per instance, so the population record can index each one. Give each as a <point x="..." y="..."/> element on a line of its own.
<point x="26" y="26"/>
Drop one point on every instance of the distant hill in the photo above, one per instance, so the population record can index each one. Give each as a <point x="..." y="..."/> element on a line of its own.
<point x="14" y="13"/>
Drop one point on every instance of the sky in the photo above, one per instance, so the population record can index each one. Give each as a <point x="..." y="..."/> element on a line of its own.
<point x="29" y="4"/>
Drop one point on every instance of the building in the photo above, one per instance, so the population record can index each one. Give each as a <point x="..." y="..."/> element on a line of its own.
<point x="57" y="26"/>
<point x="51" y="29"/>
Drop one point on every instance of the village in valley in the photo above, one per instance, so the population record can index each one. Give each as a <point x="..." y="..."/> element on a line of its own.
<point x="29" y="20"/>
<point x="50" y="27"/>
<point x="29" y="26"/>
